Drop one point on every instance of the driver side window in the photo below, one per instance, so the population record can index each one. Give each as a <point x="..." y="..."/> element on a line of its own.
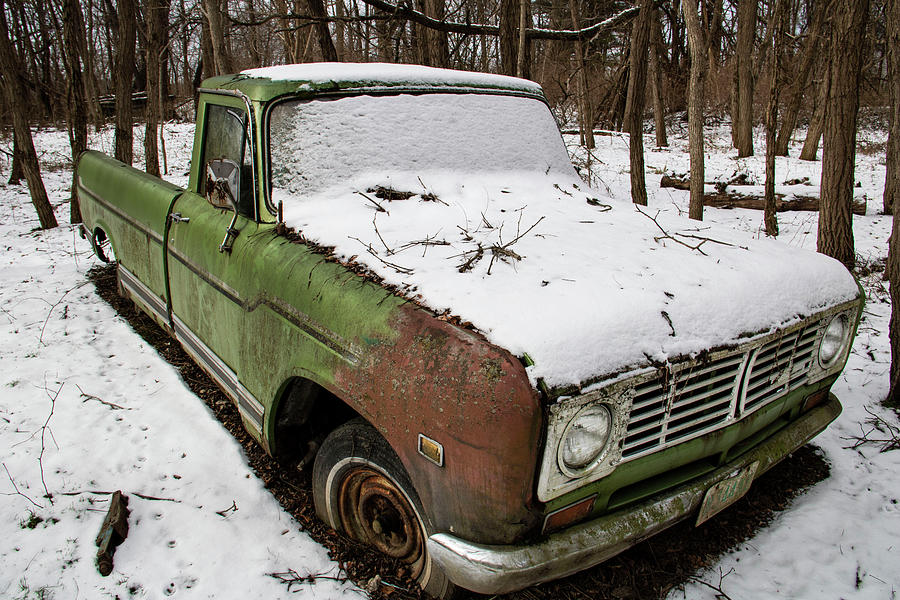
<point x="226" y="138"/>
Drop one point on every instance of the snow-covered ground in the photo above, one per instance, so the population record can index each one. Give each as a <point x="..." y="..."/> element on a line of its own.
<point x="87" y="406"/>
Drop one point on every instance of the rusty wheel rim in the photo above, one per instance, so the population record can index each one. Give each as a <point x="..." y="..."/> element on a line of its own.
<point x="374" y="510"/>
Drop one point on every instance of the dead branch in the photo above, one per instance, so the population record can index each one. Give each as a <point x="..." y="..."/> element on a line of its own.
<point x="499" y="251"/>
<point x="378" y="206"/>
<point x="668" y="319"/>
<point x="400" y="269"/>
<point x="54" y="305"/>
<point x="87" y="397"/>
<point x="44" y="429"/>
<point x="428" y="241"/>
<point x="667" y="236"/>
<point x="378" y="233"/>
<point x="107" y="493"/>
<point x="292" y="578"/>
<point x="471" y="259"/>
<point x="720" y="593"/>
<point x="404" y="12"/>
<point x="224" y="512"/>
<point x="15" y="487"/>
<point x="429" y="196"/>
<point x="596" y="202"/>
<point x="889" y="440"/>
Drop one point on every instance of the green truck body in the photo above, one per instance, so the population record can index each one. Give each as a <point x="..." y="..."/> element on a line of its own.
<point x="455" y="439"/>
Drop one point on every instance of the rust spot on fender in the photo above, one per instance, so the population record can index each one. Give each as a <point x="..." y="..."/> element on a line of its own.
<point x="472" y="397"/>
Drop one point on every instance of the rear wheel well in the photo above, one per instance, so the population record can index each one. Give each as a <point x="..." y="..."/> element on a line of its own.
<point x="101" y="244"/>
<point x="305" y="415"/>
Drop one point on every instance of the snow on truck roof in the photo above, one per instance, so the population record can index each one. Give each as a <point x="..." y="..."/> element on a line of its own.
<point x="266" y="82"/>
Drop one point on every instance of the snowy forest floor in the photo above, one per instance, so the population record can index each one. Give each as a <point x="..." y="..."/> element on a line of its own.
<point x="88" y="406"/>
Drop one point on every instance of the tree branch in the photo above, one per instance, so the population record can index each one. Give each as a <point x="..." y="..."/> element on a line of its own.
<point x="404" y="12"/>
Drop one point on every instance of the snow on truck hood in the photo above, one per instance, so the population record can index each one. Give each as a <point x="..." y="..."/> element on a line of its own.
<point x="541" y="265"/>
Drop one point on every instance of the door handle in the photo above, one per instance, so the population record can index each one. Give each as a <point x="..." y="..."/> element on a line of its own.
<point x="177" y="218"/>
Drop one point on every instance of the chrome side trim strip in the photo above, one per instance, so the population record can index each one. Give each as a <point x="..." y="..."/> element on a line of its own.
<point x="145" y="295"/>
<point x="327" y="338"/>
<point x="250" y="408"/>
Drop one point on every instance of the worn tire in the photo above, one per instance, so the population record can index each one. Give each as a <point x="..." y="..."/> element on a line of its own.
<point x="361" y="489"/>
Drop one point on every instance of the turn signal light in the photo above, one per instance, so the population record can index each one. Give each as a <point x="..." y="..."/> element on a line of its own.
<point x="570" y="514"/>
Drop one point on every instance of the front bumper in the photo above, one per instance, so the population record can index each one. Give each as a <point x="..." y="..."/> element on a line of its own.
<point x="499" y="569"/>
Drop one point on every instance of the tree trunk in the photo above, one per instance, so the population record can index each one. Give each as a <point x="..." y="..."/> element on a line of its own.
<point x="775" y="49"/>
<point x="15" y="93"/>
<point x="124" y="78"/>
<point x="656" y="81"/>
<point x="215" y="12"/>
<point x="743" y="120"/>
<point x="697" y="43"/>
<point x="715" y="34"/>
<point x="16" y="173"/>
<point x="509" y="39"/>
<point x="892" y="158"/>
<point x="893" y="266"/>
<point x="156" y="17"/>
<point x="817" y="121"/>
<point x="323" y="34"/>
<point x="798" y="85"/>
<point x="585" y="116"/>
<point x="839" y="148"/>
<point x="634" y="105"/>
<point x="72" y="23"/>
<point x="433" y="44"/>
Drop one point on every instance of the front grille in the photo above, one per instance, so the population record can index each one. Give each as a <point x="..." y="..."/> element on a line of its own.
<point x="780" y="366"/>
<point x="687" y="400"/>
<point x="681" y="403"/>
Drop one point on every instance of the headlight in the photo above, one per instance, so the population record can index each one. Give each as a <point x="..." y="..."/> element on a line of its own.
<point x="584" y="440"/>
<point x="833" y="341"/>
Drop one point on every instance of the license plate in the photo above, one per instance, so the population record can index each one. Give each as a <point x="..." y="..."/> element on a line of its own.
<point x="726" y="492"/>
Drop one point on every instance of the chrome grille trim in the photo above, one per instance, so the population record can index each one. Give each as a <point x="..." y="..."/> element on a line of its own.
<point x="687" y="400"/>
<point x="684" y="401"/>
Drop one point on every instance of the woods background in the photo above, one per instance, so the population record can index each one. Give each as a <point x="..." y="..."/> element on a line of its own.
<point x="603" y="64"/>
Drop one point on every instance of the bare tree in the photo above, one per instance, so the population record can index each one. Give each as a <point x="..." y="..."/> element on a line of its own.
<point x="698" y="45"/>
<point x="215" y="12"/>
<point x="73" y="22"/>
<point x="656" y="80"/>
<point x="744" y="77"/>
<point x="127" y="18"/>
<point x="156" y="18"/>
<point x="892" y="158"/>
<point x="798" y="84"/>
<point x="634" y="105"/>
<point x="817" y="121"/>
<point x="323" y="34"/>
<point x="839" y="147"/>
<point x="585" y="112"/>
<point x="775" y="50"/>
<point x="11" y="74"/>
<point x="893" y="267"/>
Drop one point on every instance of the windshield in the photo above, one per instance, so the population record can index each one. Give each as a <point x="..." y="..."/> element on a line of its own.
<point x="319" y="143"/>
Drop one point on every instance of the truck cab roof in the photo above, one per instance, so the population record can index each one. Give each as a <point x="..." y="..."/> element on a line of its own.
<point x="266" y="83"/>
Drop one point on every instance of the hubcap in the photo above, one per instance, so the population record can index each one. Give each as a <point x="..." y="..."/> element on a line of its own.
<point x="373" y="510"/>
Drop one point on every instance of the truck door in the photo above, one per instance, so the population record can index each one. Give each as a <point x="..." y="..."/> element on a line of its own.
<point x="210" y="287"/>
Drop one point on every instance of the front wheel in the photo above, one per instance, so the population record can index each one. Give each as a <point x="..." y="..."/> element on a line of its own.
<point x="361" y="488"/>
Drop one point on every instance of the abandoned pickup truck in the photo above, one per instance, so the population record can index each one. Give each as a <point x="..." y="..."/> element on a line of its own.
<point x="499" y="375"/>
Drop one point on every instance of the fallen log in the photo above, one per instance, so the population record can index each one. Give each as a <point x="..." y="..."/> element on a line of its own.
<point x="782" y="203"/>
<point x="674" y="181"/>
<point x="112" y="532"/>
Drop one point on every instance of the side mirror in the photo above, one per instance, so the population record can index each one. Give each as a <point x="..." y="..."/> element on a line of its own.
<point x="223" y="182"/>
